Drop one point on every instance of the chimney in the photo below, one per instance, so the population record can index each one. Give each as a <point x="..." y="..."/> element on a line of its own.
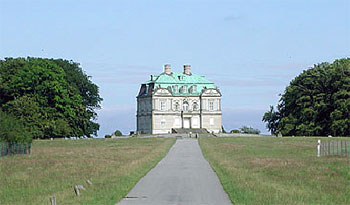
<point x="187" y="69"/>
<point x="167" y="69"/>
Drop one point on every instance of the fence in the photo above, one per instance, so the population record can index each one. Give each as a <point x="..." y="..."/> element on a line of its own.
<point x="14" y="148"/>
<point x="334" y="147"/>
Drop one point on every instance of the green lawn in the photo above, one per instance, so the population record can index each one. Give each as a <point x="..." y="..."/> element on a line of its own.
<point x="54" y="167"/>
<point x="278" y="171"/>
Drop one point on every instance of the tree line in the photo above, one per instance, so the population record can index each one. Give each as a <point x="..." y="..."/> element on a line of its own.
<point x="315" y="103"/>
<point x="46" y="98"/>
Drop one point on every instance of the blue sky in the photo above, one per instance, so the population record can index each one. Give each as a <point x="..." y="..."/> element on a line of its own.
<point x="250" y="48"/>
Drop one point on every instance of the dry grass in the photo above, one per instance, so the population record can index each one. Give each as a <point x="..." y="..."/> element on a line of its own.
<point x="278" y="171"/>
<point x="54" y="167"/>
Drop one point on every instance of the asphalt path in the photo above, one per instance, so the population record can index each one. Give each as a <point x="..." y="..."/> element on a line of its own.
<point x="182" y="177"/>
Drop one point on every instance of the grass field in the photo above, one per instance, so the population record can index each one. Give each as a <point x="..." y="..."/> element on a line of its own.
<point x="54" y="167"/>
<point x="278" y="171"/>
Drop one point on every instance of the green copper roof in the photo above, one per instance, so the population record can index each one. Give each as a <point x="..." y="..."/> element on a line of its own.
<point x="181" y="84"/>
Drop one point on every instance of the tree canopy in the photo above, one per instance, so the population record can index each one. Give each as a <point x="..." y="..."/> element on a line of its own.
<point x="118" y="133"/>
<point x="12" y="129"/>
<point x="52" y="97"/>
<point x="249" y="130"/>
<point x="316" y="103"/>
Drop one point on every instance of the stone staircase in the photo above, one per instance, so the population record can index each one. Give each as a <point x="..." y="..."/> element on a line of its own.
<point x="191" y="130"/>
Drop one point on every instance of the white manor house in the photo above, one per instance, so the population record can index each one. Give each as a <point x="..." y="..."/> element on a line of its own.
<point x="174" y="101"/>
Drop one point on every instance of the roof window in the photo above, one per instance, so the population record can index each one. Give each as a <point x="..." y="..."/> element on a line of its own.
<point x="193" y="89"/>
<point x="175" y="88"/>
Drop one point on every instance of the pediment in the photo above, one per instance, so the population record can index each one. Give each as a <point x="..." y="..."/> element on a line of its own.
<point x="162" y="92"/>
<point x="212" y="92"/>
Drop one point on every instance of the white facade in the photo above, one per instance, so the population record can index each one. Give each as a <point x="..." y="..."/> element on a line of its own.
<point x="161" y="110"/>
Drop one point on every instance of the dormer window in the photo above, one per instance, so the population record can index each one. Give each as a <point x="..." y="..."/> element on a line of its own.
<point x="194" y="89"/>
<point x="185" y="88"/>
<point x="175" y="88"/>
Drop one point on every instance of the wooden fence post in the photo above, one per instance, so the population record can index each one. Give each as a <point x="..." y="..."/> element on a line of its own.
<point x="318" y="148"/>
<point x="337" y="147"/>
<point x="53" y="200"/>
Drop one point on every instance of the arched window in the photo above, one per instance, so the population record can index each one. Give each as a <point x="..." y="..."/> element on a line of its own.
<point x="195" y="106"/>
<point x="185" y="106"/>
<point x="176" y="106"/>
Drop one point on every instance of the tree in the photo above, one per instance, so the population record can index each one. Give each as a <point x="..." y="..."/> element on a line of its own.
<point x="89" y="92"/>
<point x="53" y="98"/>
<point x="117" y="133"/>
<point x="12" y="130"/>
<point x="272" y="119"/>
<point x="223" y="129"/>
<point x="235" y="131"/>
<point x="316" y="103"/>
<point x="249" y="130"/>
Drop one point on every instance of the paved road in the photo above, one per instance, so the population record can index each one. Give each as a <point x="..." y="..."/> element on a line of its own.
<point x="182" y="177"/>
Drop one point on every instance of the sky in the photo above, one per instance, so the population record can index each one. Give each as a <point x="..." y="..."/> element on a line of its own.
<point x="251" y="49"/>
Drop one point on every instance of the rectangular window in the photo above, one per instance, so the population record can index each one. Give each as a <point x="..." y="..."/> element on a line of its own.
<point x="163" y="122"/>
<point x="142" y="106"/>
<point x="177" y="122"/>
<point x="195" y="121"/>
<point x="162" y="105"/>
<point x="211" y="105"/>
<point x="211" y="121"/>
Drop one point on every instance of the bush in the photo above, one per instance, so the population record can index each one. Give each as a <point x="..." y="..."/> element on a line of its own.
<point x="108" y="136"/>
<point x="249" y="130"/>
<point x="235" y="131"/>
<point x="117" y="133"/>
<point x="12" y="130"/>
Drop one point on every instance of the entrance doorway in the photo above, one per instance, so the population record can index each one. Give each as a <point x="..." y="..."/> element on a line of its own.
<point x="187" y="122"/>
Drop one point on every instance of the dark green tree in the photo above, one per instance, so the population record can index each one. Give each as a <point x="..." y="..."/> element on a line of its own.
<point x="117" y="133"/>
<point x="316" y="103"/>
<point x="53" y="98"/>
<point x="223" y="129"/>
<point x="12" y="130"/>
<point x="272" y="119"/>
<point x="235" y="131"/>
<point x="249" y="130"/>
